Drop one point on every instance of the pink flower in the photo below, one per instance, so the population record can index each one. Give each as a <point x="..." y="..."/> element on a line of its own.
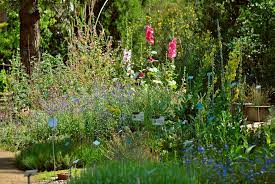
<point x="151" y="59"/>
<point x="172" y="49"/>
<point x="150" y="34"/>
<point x="141" y="75"/>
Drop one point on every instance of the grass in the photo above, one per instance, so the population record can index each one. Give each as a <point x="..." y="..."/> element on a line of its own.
<point x="130" y="172"/>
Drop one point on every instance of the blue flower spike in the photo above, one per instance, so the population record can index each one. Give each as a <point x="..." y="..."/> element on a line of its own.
<point x="201" y="149"/>
<point x="210" y="118"/>
<point x="209" y="74"/>
<point x="190" y="77"/>
<point x="210" y="161"/>
<point x="226" y="147"/>
<point x="199" y="106"/>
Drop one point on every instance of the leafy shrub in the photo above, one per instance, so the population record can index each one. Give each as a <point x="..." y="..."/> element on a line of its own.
<point x="9" y="38"/>
<point x="3" y="81"/>
<point x="40" y="156"/>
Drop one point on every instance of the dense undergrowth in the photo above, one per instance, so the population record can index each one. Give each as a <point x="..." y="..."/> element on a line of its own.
<point x="93" y="94"/>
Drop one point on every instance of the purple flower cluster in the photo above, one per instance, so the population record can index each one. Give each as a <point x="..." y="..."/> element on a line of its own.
<point x="218" y="163"/>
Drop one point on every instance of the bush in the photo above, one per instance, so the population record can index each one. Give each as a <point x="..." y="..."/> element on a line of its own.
<point x="40" y="156"/>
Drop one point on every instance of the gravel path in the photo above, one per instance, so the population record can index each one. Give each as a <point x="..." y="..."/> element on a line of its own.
<point x="9" y="174"/>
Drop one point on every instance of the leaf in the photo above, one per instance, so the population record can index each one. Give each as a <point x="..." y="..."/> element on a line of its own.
<point x="272" y="145"/>
<point x="154" y="52"/>
<point x="268" y="139"/>
<point x="248" y="150"/>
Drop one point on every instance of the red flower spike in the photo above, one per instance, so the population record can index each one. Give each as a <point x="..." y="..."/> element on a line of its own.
<point x="172" y="49"/>
<point x="150" y="34"/>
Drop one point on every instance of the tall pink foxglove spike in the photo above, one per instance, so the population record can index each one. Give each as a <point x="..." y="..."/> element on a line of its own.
<point x="150" y="34"/>
<point x="172" y="49"/>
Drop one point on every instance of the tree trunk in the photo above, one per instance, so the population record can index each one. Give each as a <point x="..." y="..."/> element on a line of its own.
<point x="29" y="33"/>
<point x="3" y="16"/>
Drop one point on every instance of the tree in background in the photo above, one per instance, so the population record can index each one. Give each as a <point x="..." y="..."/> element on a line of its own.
<point x="250" y="22"/>
<point x="256" y="34"/>
<point x="29" y="33"/>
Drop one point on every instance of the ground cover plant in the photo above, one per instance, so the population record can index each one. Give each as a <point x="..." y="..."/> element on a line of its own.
<point x="166" y="104"/>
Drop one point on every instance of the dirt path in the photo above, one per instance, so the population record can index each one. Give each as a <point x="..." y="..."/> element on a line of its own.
<point x="9" y="174"/>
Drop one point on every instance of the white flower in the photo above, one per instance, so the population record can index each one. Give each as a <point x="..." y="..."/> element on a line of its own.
<point x="172" y="83"/>
<point x="115" y="79"/>
<point x="154" y="52"/>
<point x="127" y="55"/>
<point x="157" y="81"/>
<point x="154" y="69"/>
<point x="130" y="72"/>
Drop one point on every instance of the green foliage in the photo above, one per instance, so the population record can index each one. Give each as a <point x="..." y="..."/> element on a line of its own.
<point x="88" y="89"/>
<point x="256" y="96"/>
<point x="3" y="81"/>
<point x="14" y="138"/>
<point x="9" y="38"/>
<point x="139" y="172"/>
<point x="256" y="30"/>
<point x="40" y="156"/>
<point x="53" y="30"/>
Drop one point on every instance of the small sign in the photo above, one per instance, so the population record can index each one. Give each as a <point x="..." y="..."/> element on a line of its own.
<point x="75" y="100"/>
<point x="258" y="87"/>
<point x="185" y="122"/>
<point x="233" y="84"/>
<point x="138" y="116"/>
<point x="30" y="172"/>
<point x="158" y="121"/>
<point x="52" y="122"/>
<point x="75" y="161"/>
<point x="67" y="143"/>
<point x="210" y="118"/>
<point x="96" y="142"/>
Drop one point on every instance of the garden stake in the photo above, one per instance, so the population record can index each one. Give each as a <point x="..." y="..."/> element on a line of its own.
<point x="52" y="122"/>
<point x="74" y="163"/>
<point x="53" y="139"/>
<point x="190" y="78"/>
<point x="209" y="81"/>
<point x="30" y="173"/>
